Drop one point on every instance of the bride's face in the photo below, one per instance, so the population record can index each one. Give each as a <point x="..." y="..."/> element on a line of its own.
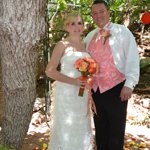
<point x="75" y="26"/>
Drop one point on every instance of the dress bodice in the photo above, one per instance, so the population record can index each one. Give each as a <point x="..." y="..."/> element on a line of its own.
<point x="68" y="61"/>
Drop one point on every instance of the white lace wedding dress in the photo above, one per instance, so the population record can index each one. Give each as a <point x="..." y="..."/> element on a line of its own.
<point x="71" y="129"/>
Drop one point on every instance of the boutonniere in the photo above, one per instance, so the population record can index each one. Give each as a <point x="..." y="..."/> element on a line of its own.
<point x="105" y="35"/>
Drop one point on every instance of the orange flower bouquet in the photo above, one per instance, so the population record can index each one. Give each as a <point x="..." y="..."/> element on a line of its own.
<point x="105" y="35"/>
<point x="87" y="66"/>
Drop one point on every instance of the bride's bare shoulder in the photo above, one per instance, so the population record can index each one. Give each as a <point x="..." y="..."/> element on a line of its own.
<point x="63" y="43"/>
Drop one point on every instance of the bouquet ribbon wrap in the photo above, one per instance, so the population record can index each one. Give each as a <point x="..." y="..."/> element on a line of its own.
<point x="82" y="87"/>
<point x="81" y="92"/>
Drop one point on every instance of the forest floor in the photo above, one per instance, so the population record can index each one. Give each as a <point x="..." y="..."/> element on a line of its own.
<point x="137" y="136"/>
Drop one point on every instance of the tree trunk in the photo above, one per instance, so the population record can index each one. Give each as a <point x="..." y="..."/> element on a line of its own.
<point x="22" y="25"/>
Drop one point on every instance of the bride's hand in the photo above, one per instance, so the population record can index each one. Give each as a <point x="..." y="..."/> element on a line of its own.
<point x="80" y="82"/>
<point x="85" y="82"/>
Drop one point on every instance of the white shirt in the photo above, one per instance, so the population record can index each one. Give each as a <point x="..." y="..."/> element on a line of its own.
<point x="124" y="50"/>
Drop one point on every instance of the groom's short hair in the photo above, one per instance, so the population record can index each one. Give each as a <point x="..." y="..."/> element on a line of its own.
<point x="101" y="2"/>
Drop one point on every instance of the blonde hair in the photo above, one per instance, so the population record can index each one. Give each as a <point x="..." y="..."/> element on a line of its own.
<point x="71" y="17"/>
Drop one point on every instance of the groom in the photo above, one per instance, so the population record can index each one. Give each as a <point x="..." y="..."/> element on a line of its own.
<point x="114" y="48"/>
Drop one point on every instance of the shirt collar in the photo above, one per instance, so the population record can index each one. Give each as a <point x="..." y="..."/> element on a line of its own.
<point x="106" y="27"/>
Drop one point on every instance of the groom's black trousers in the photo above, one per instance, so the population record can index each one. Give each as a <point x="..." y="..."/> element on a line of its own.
<point x="110" y="120"/>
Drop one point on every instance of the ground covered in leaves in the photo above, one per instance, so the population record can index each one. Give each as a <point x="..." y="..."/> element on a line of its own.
<point x="137" y="127"/>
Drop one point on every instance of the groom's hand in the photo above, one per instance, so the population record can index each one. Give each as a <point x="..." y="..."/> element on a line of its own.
<point x="126" y="93"/>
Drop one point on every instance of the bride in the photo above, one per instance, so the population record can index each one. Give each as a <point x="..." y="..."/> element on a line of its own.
<point x="71" y="128"/>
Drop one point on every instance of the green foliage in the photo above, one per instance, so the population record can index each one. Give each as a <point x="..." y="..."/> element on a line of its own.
<point x="122" y="11"/>
<point x="2" y="147"/>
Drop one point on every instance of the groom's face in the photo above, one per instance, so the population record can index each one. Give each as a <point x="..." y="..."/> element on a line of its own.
<point x="100" y="14"/>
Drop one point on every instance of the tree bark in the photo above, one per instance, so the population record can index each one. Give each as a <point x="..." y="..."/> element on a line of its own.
<point x="22" y="25"/>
